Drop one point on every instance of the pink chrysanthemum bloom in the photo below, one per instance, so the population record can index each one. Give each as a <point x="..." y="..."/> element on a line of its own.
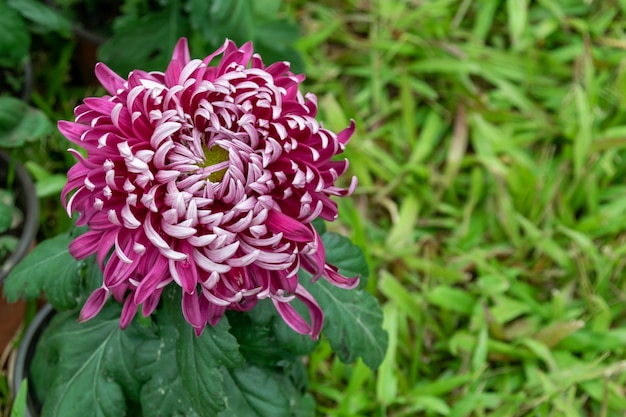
<point x="206" y="177"/>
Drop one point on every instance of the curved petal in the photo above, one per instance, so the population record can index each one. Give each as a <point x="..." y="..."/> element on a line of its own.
<point x="94" y="304"/>
<point x="128" y="312"/>
<point x="291" y="229"/>
<point x="191" y="310"/>
<point x="295" y="320"/>
<point x="331" y="275"/>
<point x="108" y="78"/>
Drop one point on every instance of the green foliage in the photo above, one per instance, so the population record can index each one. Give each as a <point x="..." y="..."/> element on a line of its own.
<point x="48" y="268"/>
<point x="353" y="323"/>
<point x="349" y="258"/>
<point x="21" y="123"/>
<point x="18" y="18"/>
<point x="7" y="210"/>
<point x="199" y="360"/>
<point x="19" y="404"/>
<point x="100" y="363"/>
<point x="263" y="392"/>
<point x="490" y="158"/>
<point x="143" y="36"/>
<point x="43" y="18"/>
<point x="14" y="37"/>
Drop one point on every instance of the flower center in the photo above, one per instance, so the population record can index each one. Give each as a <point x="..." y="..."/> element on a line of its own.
<point x="216" y="158"/>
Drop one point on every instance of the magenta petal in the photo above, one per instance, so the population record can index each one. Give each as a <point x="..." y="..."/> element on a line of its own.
<point x="344" y="136"/>
<point x="94" y="304"/>
<point x="147" y="286"/>
<point x="128" y="312"/>
<point x="85" y="244"/>
<point x="150" y="282"/>
<point x="335" y="278"/>
<point x="187" y="274"/>
<point x="181" y="52"/>
<point x="291" y="229"/>
<point x="315" y="263"/>
<point x="172" y="73"/>
<point x="99" y="105"/>
<point x="116" y="271"/>
<point x="151" y="303"/>
<point x="191" y="310"/>
<point x="293" y="318"/>
<point x="109" y="79"/>
<point x="72" y="131"/>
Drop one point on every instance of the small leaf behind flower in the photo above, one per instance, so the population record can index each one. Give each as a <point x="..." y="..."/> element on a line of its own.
<point x="353" y="323"/>
<point x="50" y="268"/>
<point x="264" y="337"/>
<point x="349" y="258"/>
<point x="20" y="123"/>
<point x="353" y="318"/>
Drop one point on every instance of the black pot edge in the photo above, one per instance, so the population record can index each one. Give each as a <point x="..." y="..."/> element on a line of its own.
<point x="25" y="354"/>
<point x="31" y="216"/>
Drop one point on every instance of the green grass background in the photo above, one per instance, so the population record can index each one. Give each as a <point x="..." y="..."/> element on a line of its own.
<point x="491" y="158"/>
<point x="492" y="201"/>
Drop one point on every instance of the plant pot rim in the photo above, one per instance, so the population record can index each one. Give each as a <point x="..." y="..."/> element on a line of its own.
<point x="30" y="207"/>
<point x="25" y="354"/>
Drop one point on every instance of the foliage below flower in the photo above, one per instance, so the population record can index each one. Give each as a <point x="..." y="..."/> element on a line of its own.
<point x="207" y="177"/>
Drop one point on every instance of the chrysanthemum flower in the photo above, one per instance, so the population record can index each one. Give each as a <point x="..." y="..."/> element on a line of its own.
<point x="206" y="177"/>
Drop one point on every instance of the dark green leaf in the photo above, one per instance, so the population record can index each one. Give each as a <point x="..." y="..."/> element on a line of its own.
<point x="353" y="322"/>
<point x="353" y="318"/>
<point x="20" y="123"/>
<point x="8" y="243"/>
<point x="14" y="37"/>
<point x="305" y="407"/>
<point x="256" y="342"/>
<point x="298" y="344"/>
<point x="268" y="341"/>
<point x="199" y="358"/>
<point x="283" y="340"/>
<point x="145" y="43"/>
<point x="44" y="18"/>
<point x="62" y="287"/>
<point x="274" y="40"/>
<point x="92" y="368"/>
<point x="6" y="210"/>
<point x="254" y="391"/>
<point x="163" y="393"/>
<point x="33" y="273"/>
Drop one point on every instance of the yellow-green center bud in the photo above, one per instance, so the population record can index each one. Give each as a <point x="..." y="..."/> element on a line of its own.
<point x="214" y="156"/>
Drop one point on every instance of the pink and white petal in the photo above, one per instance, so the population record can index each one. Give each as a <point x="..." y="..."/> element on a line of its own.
<point x="109" y="79"/>
<point x="294" y="320"/>
<point x="94" y="304"/>
<point x="334" y="277"/>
